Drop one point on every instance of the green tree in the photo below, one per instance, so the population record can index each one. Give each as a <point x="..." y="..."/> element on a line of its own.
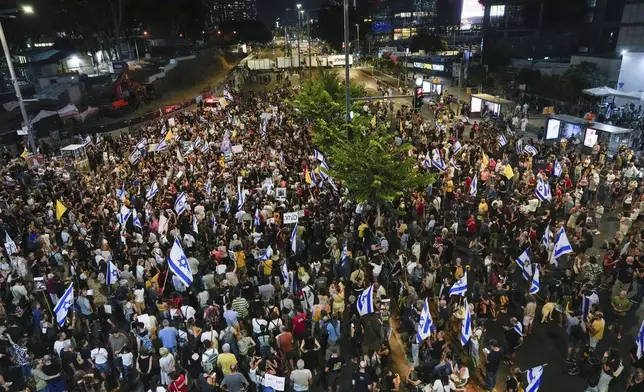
<point x="476" y="75"/>
<point x="428" y="42"/>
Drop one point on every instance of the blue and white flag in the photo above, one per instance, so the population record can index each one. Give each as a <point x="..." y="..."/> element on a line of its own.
<point x="136" y="222"/>
<point x="457" y="147"/>
<point x="227" y="205"/>
<point x="197" y="142"/>
<point x="524" y="263"/>
<point x="558" y="170"/>
<point x="518" y="328"/>
<point x="214" y="225"/>
<point x="9" y="245"/>
<point x="64" y="303"/>
<point x="508" y="130"/>
<point x="323" y="175"/>
<point x="547" y="237"/>
<point x="542" y="192"/>
<point x="268" y="253"/>
<point x="438" y="161"/>
<point x="474" y="185"/>
<point x="640" y="341"/>
<point x="318" y="155"/>
<point x="227" y="96"/>
<point x="154" y="189"/>
<point x="205" y="148"/>
<point x="226" y="146"/>
<point x="282" y="156"/>
<point x="208" y="188"/>
<point x="534" y="378"/>
<point x="502" y="140"/>
<point x="181" y="204"/>
<point x="120" y="194"/>
<point x="88" y="141"/>
<point x="466" y="324"/>
<point x="519" y="146"/>
<point x="426" y="324"/>
<point x="585" y="307"/>
<point x="460" y="286"/>
<point x="241" y="197"/>
<point x="162" y="146"/>
<point x="124" y="215"/>
<point x="453" y="164"/>
<point x="256" y="219"/>
<point x="294" y="239"/>
<point x="142" y="144"/>
<point x="325" y="166"/>
<point x="562" y="245"/>
<point x="112" y="273"/>
<point x="284" y="270"/>
<point x="262" y="129"/>
<point x="179" y="265"/>
<point x="343" y="256"/>
<point x="530" y="150"/>
<point x="364" y="304"/>
<point x="534" y="285"/>
<point x="314" y="179"/>
<point x="427" y="162"/>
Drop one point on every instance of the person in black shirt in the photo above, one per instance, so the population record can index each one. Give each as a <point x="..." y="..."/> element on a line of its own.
<point x="362" y="380"/>
<point x="636" y="381"/>
<point x="494" y="356"/>
<point x="52" y="369"/>
<point x="513" y="383"/>
<point x="333" y="370"/>
<point x="625" y="272"/>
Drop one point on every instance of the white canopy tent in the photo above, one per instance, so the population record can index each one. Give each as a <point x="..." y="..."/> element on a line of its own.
<point x="603" y="92"/>
<point x="636" y="95"/>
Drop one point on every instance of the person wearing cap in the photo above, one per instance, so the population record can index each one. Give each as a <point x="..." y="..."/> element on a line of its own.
<point x="301" y="378"/>
<point x="226" y="359"/>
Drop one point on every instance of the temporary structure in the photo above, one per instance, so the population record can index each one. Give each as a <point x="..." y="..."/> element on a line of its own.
<point x="636" y="95"/>
<point x="603" y="92"/>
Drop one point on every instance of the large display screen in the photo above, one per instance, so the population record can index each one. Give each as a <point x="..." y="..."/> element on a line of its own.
<point x="591" y="137"/>
<point x="476" y="105"/>
<point x="553" y="129"/>
<point x="471" y="13"/>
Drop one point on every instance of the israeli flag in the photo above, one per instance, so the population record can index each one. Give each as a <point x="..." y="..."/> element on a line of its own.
<point x="466" y="325"/>
<point x="63" y="305"/>
<point x="205" y="148"/>
<point x="142" y="144"/>
<point x="195" y="226"/>
<point x="256" y="220"/>
<point x="427" y="162"/>
<point x="181" y="203"/>
<point x="457" y="147"/>
<point x="214" y="225"/>
<point x="164" y="129"/>
<point x="124" y="215"/>
<point x="268" y="253"/>
<point x="162" y="146"/>
<point x="262" y="129"/>
<point x="460" y="287"/>
<point x="227" y="205"/>
<point x="284" y="270"/>
<point x="534" y="286"/>
<point x="227" y="96"/>
<point x="135" y="219"/>
<point x="518" y="328"/>
<point x="534" y="379"/>
<point x="474" y="185"/>
<point x="547" y="236"/>
<point x="9" y="245"/>
<point x="323" y="175"/>
<point x="282" y="156"/>
<point x="519" y="146"/>
<point x="179" y="265"/>
<point x="88" y="141"/>
<point x="426" y="324"/>
<point x="558" y="169"/>
<point x="438" y="161"/>
<point x="112" y="274"/>
<point x="562" y="245"/>
<point x="585" y="307"/>
<point x="530" y="150"/>
<point x="197" y="142"/>
<point x="640" y="341"/>
<point x="209" y="188"/>
<point x="365" y="301"/>
<point x="548" y="194"/>
<point x="453" y="164"/>
<point x="241" y="197"/>
<point x="120" y="194"/>
<point x="343" y="257"/>
<point x="508" y="130"/>
<point x="325" y="166"/>
<point x="542" y="192"/>
<point x="294" y="239"/>
<point x="314" y="180"/>
<point x="524" y="263"/>
<point x="154" y="189"/>
<point x="502" y="140"/>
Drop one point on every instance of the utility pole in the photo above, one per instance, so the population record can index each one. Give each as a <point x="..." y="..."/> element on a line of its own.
<point x="136" y="47"/>
<point x="308" y="33"/>
<point x="346" y="68"/>
<point x="299" y="34"/>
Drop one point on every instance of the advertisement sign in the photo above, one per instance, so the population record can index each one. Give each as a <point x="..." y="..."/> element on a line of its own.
<point x="476" y="105"/>
<point x="471" y="14"/>
<point x="591" y="137"/>
<point x="552" y="131"/>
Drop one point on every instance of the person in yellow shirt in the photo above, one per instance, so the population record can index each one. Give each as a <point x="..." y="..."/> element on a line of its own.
<point x="596" y="330"/>
<point x="268" y="267"/>
<point x="225" y="360"/>
<point x="483" y="209"/>
<point x="361" y="229"/>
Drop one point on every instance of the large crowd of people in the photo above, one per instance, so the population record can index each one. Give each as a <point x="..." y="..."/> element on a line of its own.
<point x="209" y="250"/>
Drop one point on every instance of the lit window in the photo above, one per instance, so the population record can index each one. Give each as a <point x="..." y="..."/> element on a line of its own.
<point x="497" y="11"/>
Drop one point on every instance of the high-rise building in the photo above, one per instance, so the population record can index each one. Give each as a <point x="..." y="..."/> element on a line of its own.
<point x="226" y="10"/>
<point x="400" y="19"/>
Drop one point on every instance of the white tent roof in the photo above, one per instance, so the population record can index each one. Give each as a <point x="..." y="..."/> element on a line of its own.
<point x="602" y="92"/>
<point x="637" y="95"/>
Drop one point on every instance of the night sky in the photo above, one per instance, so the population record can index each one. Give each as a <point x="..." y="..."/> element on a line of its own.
<point x="269" y="10"/>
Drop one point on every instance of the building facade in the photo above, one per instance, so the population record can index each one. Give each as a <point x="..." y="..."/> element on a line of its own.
<point x="227" y="10"/>
<point x="399" y="20"/>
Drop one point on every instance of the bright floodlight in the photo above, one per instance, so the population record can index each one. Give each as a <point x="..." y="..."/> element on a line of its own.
<point x="27" y="9"/>
<point x="624" y="52"/>
<point x="299" y="6"/>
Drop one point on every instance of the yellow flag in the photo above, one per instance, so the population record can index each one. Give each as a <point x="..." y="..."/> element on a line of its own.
<point x="486" y="160"/>
<point x="60" y="209"/>
<point x="234" y="135"/>
<point x="373" y="120"/>
<point x="307" y="177"/>
<point x="169" y="136"/>
<point x="508" y="172"/>
<point x="24" y="154"/>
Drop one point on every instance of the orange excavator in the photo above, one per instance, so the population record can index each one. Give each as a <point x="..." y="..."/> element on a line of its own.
<point x="127" y="94"/>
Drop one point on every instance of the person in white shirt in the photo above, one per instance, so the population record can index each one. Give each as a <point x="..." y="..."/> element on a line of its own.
<point x="139" y="299"/>
<point x="99" y="357"/>
<point x="188" y="312"/>
<point x="127" y="358"/>
<point x="60" y="343"/>
<point x="211" y="335"/>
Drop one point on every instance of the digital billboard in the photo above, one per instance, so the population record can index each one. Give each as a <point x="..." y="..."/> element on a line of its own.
<point x="471" y="14"/>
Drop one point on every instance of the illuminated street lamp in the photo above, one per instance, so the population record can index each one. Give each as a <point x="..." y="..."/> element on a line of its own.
<point x="27" y="9"/>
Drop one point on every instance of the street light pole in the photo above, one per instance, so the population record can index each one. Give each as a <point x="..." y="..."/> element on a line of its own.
<point x="346" y="68"/>
<point x="299" y="33"/>
<point x="358" y="38"/>
<point x="21" y="103"/>
<point x="308" y="34"/>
